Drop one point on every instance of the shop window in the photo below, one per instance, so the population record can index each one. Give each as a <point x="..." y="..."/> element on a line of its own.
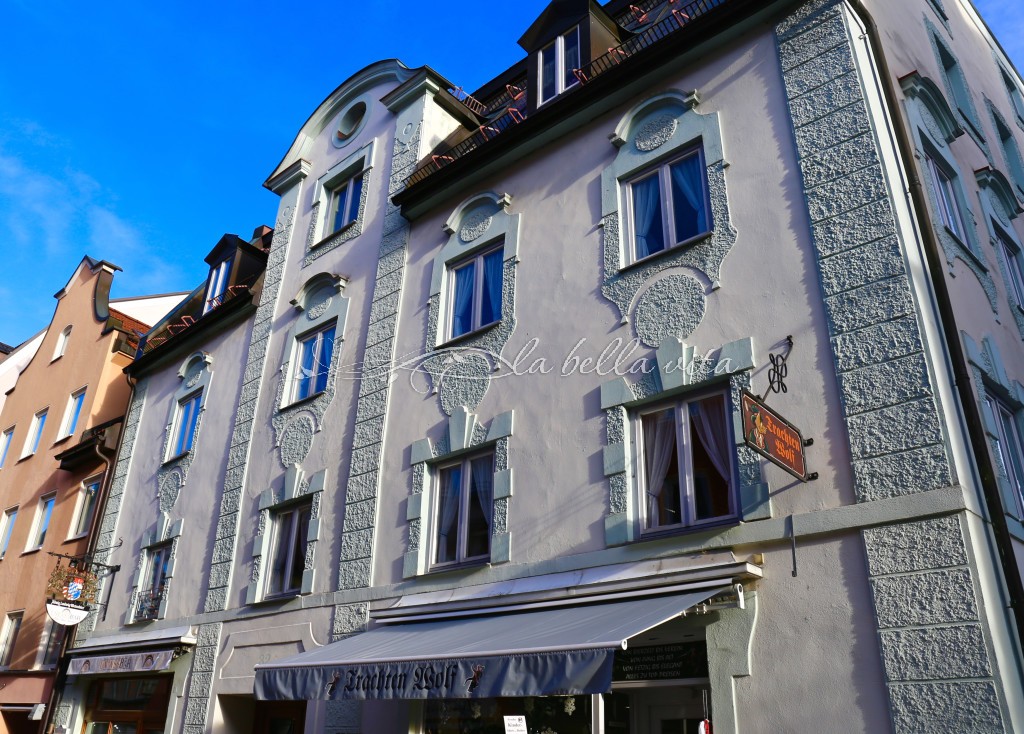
<point x="149" y="601"/>
<point x="9" y="638"/>
<point x="5" y="445"/>
<point x="35" y="433"/>
<point x="185" y="422"/>
<point x="6" y="528"/>
<point x="557" y="63"/>
<point x="41" y="526"/>
<point x="668" y="205"/>
<point x="1010" y="448"/>
<point x="71" y="414"/>
<point x="465" y="497"/>
<point x="475" y="296"/>
<point x="62" y="343"/>
<point x="217" y="284"/>
<point x="88" y="496"/>
<point x="288" y="549"/>
<point x="684" y="463"/>
<point x="136" y="705"/>
<point x="561" y="714"/>
<point x="313" y="354"/>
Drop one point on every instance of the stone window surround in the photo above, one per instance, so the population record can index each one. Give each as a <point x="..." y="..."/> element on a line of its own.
<point x="294" y="490"/>
<point x="1013" y="91"/>
<point x="478" y="224"/>
<point x="1013" y="166"/>
<point x="319" y="240"/>
<point x="680" y="372"/>
<point x="164" y="532"/>
<point x="464" y="436"/>
<point x="195" y="374"/>
<point x="999" y="208"/>
<point x="970" y="117"/>
<point x="990" y="377"/>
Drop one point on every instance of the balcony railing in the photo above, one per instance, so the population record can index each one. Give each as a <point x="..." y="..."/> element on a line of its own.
<point x="147" y="604"/>
<point x="508" y="109"/>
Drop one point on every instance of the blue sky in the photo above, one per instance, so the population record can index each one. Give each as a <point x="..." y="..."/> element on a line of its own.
<point x="140" y="132"/>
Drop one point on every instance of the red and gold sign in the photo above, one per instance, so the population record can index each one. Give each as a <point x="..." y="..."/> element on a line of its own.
<point x="772" y="436"/>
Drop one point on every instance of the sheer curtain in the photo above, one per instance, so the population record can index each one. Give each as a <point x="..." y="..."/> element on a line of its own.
<point x="659" y="431"/>
<point x="709" y="421"/>
<point x="478" y="538"/>
<point x="490" y="307"/>
<point x="462" y="309"/>
<point x="647" y="217"/>
<point x="687" y="179"/>
<point x="447" y="532"/>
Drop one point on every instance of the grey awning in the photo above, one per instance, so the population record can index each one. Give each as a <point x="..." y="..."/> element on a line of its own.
<point x="562" y="651"/>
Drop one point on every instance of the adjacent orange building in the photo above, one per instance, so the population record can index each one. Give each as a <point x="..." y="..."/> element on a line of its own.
<point x="59" y="429"/>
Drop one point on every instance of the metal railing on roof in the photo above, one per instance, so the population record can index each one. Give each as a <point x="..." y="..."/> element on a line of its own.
<point x="672" y="16"/>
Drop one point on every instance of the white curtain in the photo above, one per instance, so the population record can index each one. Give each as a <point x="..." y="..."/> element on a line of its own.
<point x="451" y="483"/>
<point x="647" y="217"/>
<point x="709" y="421"/>
<point x="659" y="446"/>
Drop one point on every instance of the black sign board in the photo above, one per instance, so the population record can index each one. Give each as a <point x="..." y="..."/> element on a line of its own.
<point x="661" y="662"/>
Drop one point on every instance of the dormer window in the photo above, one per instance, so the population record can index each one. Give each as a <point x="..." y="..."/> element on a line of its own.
<point x="557" y="64"/>
<point x="217" y="284"/>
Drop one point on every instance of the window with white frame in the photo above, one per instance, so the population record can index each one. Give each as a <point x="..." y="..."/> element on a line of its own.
<point x="50" y="644"/>
<point x="41" y="525"/>
<point x="1011" y="448"/>
<point x="185" y="421"/>
<point x="9" y="637"/>
<point x="217" y="284"/>
<point x="71" y="414"/>
<point x="35" y="433"/>
<point x="149" y="599"/>
<point x="557" y="65"/>
<point x="945" y="184"/>
<point x="88" y="497"/>
<point x="668" y="205"/>
<point x="313" y="353"/>
<point x="343" y="210"/>
<point x="684" y="463"/>
<point x="5" y="444"/>
<point x="288" y="549"/>
<point x="463" y="513"/>
<point x="6" y="528"/>
<point x="1014" y="271"/>
<point x="475" y="291"/>
<point x="62" y="343"/>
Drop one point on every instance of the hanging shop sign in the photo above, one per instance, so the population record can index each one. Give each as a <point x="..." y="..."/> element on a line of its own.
<point x="66" y="614"/>
<point x="136" y="662"/>
<point x="70" y="589"/>
<point x="773" y="437"/>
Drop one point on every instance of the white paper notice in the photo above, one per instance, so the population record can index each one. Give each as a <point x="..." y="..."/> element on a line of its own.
<point x="515" y="725"/>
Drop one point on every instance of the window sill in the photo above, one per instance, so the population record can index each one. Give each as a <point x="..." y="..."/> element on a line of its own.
<point x="176" y="458"/>
<point x="80" y="536"/>
<point x="975" y="258"/>
<point x="301" y="401"/>
<point x="25" y="457"/>
<point x="469" y="335"/>
<point x="334" y="234"/>
<point x="677" y="530"/>
<point x="30" y="551"/>
<point x="470" y="565"/>
<point x="685" y="244"/>
<point x="277" y="598"/>
<point x="61" y="440"/>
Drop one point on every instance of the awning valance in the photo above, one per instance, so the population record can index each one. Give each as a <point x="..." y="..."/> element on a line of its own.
<point x="559" y="651"/>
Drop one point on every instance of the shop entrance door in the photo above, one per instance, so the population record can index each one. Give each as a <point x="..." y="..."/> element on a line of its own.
<point x="279" y="717"/>
<point x="677" y="710"/>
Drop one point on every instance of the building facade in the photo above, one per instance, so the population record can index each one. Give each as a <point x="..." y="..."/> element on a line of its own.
<point x="65" y="401"/>
<point x="485" y="445"/>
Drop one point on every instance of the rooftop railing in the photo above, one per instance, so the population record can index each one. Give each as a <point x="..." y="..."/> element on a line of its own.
<point x="662" y="19"/>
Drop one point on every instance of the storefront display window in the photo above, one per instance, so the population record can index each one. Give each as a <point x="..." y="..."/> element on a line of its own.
<point x="544" y="715"/>
<point x="128" y="705"/>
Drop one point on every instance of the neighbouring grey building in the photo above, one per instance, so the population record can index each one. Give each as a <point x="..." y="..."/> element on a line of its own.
<point x="675" y="374"/>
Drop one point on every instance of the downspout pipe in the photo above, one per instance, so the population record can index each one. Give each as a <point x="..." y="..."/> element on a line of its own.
<point x="947" y="316"/>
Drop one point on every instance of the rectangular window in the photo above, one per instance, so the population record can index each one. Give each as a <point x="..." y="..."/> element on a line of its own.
<point x="1011" y="449"/>
<point x="185" y="423"/>
<point x="1011" y="152"/>
<point x="558" y="63"/>
<point x="1014" y="272"/>
<point x="1013" y="92"/>
<point x="72" y="414"/>
<point x="6" y="528"/>
<point x="685" y="464"/>
<point x="9" y="638"/>
<point x="344" y="208"/>
<point x="314" y="353"/>
<point x="465" y="495"/>
<point x="53" y="638"/>
<point x="5" y="444"/>
<point x="475" y="292"/>
<point x="88" y="497"/>
<point x="288" y="549"/>
<point x="945" y="195"/>
<point x="217" y="285"/>
<point x="35" y="432"/>
<point x="150" y="598"/>
<point x="42" y="522"/>
<point x="958" y="84"/>
<point x="669" y="205"/>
